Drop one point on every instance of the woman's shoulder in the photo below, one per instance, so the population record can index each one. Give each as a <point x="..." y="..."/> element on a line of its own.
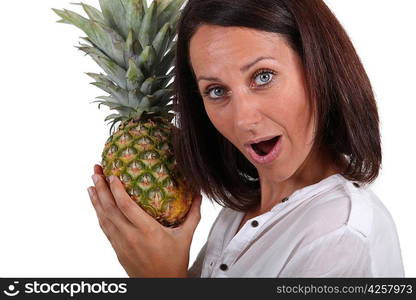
<point x="349" y="216"/>
<point x="352" y="205"/>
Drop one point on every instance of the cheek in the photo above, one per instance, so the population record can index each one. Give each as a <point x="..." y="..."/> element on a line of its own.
<point x="297" y="120"/>
<point x="222" y="119"/>
<point x="217" y="117"/>
<point x="305" y="135"/>
<point x="308" y="124"/>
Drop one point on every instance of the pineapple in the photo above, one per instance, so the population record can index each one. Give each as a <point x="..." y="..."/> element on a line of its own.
<point x="134" y="45"/>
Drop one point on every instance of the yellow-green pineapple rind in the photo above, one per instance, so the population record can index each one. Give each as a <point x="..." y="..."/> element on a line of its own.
<point x="140" y="154"/>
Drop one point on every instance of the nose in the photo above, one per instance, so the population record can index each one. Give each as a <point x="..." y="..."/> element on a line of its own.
<point x="247" y="116"/>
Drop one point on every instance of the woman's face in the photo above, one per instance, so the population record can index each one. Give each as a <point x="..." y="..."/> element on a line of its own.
<point x="248" y="98"/>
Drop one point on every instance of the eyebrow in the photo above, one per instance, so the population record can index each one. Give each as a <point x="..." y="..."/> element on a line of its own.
<point x="242" y="69"/>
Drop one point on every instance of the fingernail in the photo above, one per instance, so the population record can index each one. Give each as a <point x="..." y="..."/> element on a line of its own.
<point x="111" y="179"/>
<point x="90" y="192"/>
<point x="94" y="178"/>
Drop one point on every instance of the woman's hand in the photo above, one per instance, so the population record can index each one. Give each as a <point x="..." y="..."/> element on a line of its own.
<point x="144" y="247"/>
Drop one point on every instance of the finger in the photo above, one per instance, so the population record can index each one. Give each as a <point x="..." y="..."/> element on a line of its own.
<point x="106" y="225"/>
<point x="194" y="215"/>
<point x="98" y="169"/>
<point x="116" y="238"/>
<point x="108" y="205"/>
<point x="133" y="212"/>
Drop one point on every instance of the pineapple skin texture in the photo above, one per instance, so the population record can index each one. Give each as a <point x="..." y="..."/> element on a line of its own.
<point x="140" y="154"/>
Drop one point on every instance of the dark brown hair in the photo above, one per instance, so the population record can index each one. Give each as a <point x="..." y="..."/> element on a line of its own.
<point x="343" y="100"/>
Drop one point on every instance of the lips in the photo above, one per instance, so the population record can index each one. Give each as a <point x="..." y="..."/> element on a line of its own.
<point x="264" y="147"/>
<point x="265" y="150"/>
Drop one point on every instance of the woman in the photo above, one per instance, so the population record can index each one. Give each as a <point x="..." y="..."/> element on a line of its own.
<point x="279" y="125"/>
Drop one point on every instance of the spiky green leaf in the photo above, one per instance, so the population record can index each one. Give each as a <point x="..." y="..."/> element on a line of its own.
<point x="161" y="5"/>
<point x="145" y="7"/>
<point x="72" y="18"/>
<point x="110" y="104"/>
<point x="114" y="12"/>
<point x="114" y="103"/>
<point x="93" y="13"/>
<point x="162" y="93"/>
<point x="134" y="76"/>
<point x="131" y="42"/>
<point x="134" y="97"/>
<point x="148" y="26"/>
<point x="63" y="21"/>
<point x="144" y="104"/>
<point x="99" y="77"/>
<point x="147" y="85"/>
<point x="86" y="39"/>
<point x="161" y="41"/>
<point x="134" y="14"/>
<point x="115" y="106"/>
<point x="170" y="13"/>
<point x="115" y="72"/>
<point x="146" y="60"/>
<point x="109" y="99"/>
<point x="118" y="93"/>
<point x="174" y="21"/>
<point x="163" y="101"/>
<point x="129" y="45"/>
<point x="109" y="41"/>
<point x="112" y="116"/>
<point x="105" y="38"/>
<point x="128" y="49"/>
<point x="106" y="11"/>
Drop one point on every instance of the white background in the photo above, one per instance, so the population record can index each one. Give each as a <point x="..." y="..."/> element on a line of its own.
<point x="52" y="136"/>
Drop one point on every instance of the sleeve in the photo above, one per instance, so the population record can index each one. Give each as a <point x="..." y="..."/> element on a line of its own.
<point x="196" y="268"/>
<point x="341" y="253"/>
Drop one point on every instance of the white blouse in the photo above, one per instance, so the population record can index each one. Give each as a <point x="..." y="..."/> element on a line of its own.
<point x="333" y="228"/>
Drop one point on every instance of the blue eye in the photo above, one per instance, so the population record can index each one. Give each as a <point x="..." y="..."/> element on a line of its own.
<point x="264" y="77"/>
<point x="215" y="90"/>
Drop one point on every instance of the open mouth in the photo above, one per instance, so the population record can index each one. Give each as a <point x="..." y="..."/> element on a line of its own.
<point x="263" y="148"/>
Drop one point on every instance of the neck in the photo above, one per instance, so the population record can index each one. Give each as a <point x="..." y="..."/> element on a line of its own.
<point x="273" y="190"/>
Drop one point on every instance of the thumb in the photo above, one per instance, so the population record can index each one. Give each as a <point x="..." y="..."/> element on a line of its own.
<point x="194" y="215"/>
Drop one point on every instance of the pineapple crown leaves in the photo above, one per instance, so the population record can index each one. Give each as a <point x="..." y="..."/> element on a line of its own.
<point x="104" y="37"/>
<point x="134" y="45"/>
